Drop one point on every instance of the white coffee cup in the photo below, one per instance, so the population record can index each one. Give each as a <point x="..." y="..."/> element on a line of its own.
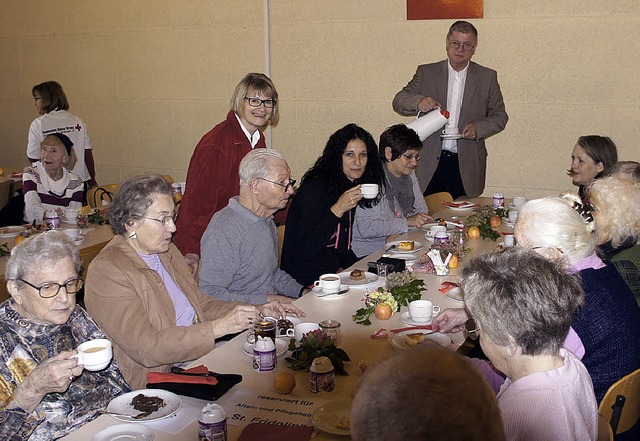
<point x="509" y="240"/>
<point x="72" y="233"/>
<point x="328" y="283"/>
<point x="70" y="214"/>
<point x="422" y="310"/>
<point x="369" y="191"/>
<point x="300" y="329"/>
<point x="519" y="201"/>
<point x="451" y="131"/>
<point x="513" y="216"/>
<point x="95" y="355"/>
<point x="434" y="229"/>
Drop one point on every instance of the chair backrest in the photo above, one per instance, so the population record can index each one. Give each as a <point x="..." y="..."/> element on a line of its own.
<point x="5" y="193"/>
<point x="605" y="433"/>
<point x="102" y="195"/>
<point x="623" y="412"/>
<point x="434" y="201"/>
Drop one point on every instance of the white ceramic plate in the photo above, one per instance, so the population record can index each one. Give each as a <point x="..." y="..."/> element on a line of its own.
<point x="406" y="318"/>
<point x="12" y="231"/>
<point x="452" y="136"/>
<point x="455" y="295"/>
<point x="327" y="416"/>
<point x="122" y="404"/>
<point x="281" y="347"/>
<point x="369" y="278"/>
<point x="125" y="432"/>
<point x="408" y="258"/>
<point x="318" y="292"/>
<point x="417" y="246"/>
<point x="398" y="339"/>
<point x="427" y="227"/>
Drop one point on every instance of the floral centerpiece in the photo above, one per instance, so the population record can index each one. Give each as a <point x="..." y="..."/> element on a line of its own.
<point x="484" y="219"/>
<point x="401" y="289"/>
<point x="316" y="344"/>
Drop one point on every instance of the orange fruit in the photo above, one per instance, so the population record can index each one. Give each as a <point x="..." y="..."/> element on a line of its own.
<point x="454" y="261"/>
<point x="383" y="311"/>
<point x="473" y="233"/>
<point x="19" y="238"/>
<point x="284" y="383"/>
<point x="495" y="221"/>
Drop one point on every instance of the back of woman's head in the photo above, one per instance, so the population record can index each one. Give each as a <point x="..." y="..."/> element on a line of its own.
<point x="616" y="204"/>
<point x="551" y="222"/>
<point x="52" y="96"/>
<point x="134" y="197"/>
<point x="328" y="166"/>
<point x="601" y="149"/>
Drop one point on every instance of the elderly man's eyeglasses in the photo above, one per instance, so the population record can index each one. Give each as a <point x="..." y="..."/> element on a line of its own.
<point x="51" y="289"/>
<point x="165" y="221"/>
<point x="471" y="330"/>
<point x="458" y="45"/>
<point x="257" y="102"/>
<point x="410" y="157"/>
<point x="290" y="184"/>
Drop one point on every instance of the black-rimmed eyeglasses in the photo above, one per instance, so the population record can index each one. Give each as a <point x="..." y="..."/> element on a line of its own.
<point x="458" y="45"/>
<point x="290" y="184"/>
<point x="410" y="157"/>
<point x="257" y="102"/>
<point x="51" y="289"/>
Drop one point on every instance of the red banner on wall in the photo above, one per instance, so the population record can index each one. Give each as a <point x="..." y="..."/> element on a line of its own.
<point x="441" y="9"/>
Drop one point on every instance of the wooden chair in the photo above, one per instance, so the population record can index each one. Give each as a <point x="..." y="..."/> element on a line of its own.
<point x="434" y="201"/>
<point x="621" y="404"/>
<point x="605" y="433"/>
<point x="280" y="242"/>
<point x="101" y="195"/>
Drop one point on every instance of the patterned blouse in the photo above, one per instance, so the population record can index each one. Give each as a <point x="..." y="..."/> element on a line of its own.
<point x="23" y="346"/>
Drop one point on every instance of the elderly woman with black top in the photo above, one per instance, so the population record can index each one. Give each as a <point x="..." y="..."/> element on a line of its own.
<point x="320" y="220"/>
<point x="401" y="205"/>
<point x="44" y="393"/>
<point x="142" y="293"/>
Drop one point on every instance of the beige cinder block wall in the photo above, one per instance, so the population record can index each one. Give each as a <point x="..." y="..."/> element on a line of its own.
<point x="151" y="77"/>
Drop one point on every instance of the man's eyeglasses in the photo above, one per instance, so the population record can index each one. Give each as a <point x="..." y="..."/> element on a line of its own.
<point x="291" y="183"/>
<point x="165" y="221"/>
<point x="471" y="330"/>
<point x="257" y="102"/>
<point x="458" y="45"/>
<point x="410" y="157"/>
<point x="51" y="289"/>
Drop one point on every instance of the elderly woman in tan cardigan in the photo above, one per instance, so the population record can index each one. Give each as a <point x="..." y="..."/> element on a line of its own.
<point x="143" y="295"/>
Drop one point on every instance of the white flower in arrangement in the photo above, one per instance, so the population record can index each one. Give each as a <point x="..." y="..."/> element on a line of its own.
<point x="382" y="296"/>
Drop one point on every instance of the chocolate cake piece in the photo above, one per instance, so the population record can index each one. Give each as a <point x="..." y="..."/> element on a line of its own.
<point x="144" y="403"/>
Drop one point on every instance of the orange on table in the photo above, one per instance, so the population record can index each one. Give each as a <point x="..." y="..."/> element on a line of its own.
<point x="284" y="383"/>
<point x="454" y="261"/>
<point x="383" y="311"/>
<point x="473" y="233"/>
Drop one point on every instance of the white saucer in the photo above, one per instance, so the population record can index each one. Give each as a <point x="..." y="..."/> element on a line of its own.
<point x="281" y="347"/>
<point x="451" y="136"/>
<point x="124" y="432"/>
<point x="318" y="292"/>
<point x="406" y="318"/>
<point x="79" y="241"/>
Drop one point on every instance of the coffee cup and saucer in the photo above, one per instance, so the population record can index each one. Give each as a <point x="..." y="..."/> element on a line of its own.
<point x="329" y="285"/>
<point x="421" y="312"/>
<point x="451" y="133"/>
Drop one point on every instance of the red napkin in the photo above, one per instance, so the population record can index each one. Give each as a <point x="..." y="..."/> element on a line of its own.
<point x="411" y="328"/>
<point x="446" y="286"/>
<point x="461" y="204"/>
<point x="271" y="432"/>
<point x="160" y="377"/>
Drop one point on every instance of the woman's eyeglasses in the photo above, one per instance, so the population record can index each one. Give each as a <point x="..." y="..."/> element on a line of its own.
<point x="166" y="220"/>
<point x="411" y="157"/>
<point x="51" y="289"/>
<point x="257" y="102"/>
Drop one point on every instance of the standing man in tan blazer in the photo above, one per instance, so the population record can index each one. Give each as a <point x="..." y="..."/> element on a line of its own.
<point x="472" y="96"/>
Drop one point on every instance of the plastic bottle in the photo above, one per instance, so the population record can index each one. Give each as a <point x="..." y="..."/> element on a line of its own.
<point x="51" y="219"/>
<point x="212" y="424"/>
<point x="264" y="355"/>
<point x="498" y="200"/>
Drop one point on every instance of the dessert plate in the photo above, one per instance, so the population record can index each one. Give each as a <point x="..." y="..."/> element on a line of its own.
<point x="398" y="339"/>
<point x="417" y="246"/>
<point x="327" y="417"/>
<point x="12" y="231"/>
<point x="347" y="280"/>
<point x="125" y="432"/>
<point x="122" y="405"/>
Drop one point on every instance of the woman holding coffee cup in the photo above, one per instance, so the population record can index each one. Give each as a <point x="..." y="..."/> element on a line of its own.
<point x="45" y="392"/>
<point x="402" y="205"/>
<point x="142" y="293"/>
<point x="48" y="184"/>
<point x="320" y="220"/>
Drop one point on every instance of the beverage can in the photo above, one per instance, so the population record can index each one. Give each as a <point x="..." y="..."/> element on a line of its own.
<point x="212" y="424"/>
<point x="264" y="355"/>
<point x="498" y="200"/>
<point x="51" y="219"/>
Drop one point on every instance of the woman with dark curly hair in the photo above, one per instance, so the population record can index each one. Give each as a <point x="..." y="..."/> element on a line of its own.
<point x="320" y="220"/>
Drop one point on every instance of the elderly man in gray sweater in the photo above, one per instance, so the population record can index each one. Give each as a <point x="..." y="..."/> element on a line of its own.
<point x="239" y="249"/>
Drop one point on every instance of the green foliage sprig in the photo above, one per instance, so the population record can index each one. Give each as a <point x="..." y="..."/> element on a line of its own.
<point x="481" y="218"/>
<point x="316" y="344"/>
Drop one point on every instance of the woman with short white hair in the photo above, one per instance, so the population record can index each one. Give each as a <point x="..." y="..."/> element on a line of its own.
<point x="609" y="325"/>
